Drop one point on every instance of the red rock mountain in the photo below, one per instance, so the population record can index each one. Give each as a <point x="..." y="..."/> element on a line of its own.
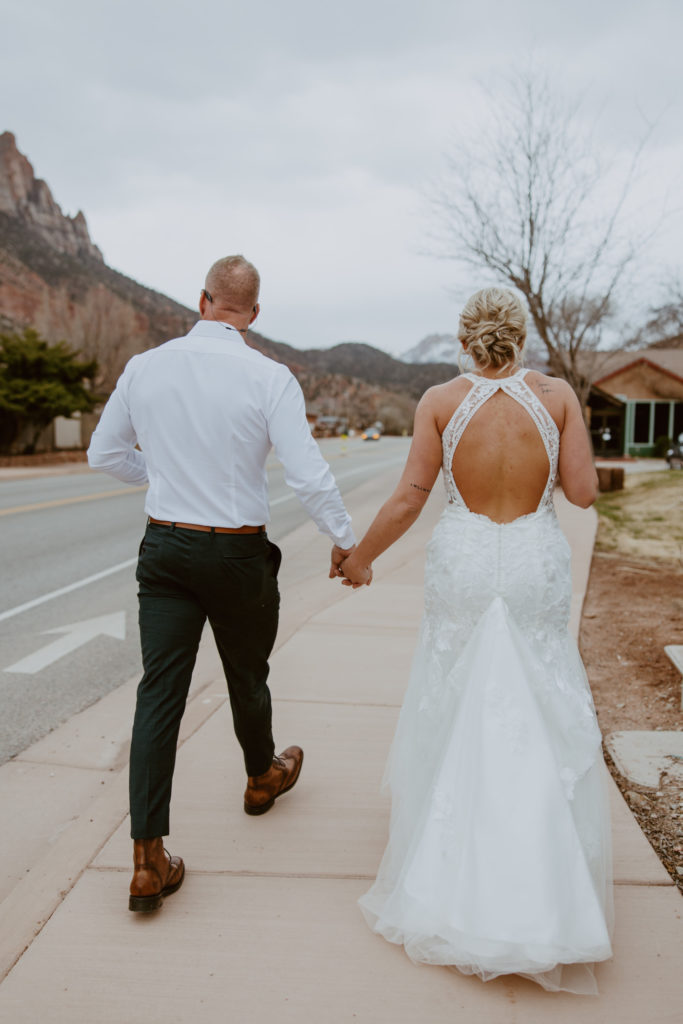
<point x="53" y="278"/>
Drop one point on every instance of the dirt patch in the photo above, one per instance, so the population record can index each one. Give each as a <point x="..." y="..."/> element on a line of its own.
<point x="633" y="608"/>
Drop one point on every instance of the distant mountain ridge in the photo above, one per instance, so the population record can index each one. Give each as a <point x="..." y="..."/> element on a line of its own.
<point x="54" y="278"/>
<point x="435" y="348"/>
<point x="356" y="359"/>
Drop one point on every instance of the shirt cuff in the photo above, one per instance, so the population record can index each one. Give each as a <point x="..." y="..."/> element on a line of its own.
<point x="345" y="540"/>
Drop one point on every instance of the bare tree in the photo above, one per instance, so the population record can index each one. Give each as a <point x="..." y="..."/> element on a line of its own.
<point x="664" y="326"/>
<point x="526" y="201"/>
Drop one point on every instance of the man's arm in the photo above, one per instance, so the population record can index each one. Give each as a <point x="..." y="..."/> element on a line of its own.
<point x="306" y="471"/>
<point x="112" y="446"/>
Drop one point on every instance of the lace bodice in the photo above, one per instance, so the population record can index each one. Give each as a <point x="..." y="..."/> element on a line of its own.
<point x="482" y="389"/>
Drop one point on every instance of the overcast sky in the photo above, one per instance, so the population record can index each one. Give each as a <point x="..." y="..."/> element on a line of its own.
<point x="305" y="135"/>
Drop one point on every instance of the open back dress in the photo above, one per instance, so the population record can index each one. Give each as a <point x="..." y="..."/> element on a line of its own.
<point x="499" y="854"/>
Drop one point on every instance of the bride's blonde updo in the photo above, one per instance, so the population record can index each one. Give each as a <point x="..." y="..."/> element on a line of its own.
<point x="492" y="328"/>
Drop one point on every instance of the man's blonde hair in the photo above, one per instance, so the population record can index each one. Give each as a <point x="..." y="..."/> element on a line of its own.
<point x="233" y="283"/>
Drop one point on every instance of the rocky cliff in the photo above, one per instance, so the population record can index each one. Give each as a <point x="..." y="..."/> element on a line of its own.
<point x="28" y="199"/>
<point x="53" y="278"/>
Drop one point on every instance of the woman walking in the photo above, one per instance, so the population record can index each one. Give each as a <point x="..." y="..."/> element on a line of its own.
<point x="499" y="856"/>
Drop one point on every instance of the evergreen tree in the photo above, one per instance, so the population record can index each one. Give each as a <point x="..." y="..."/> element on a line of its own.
<point x="38" y="382"/>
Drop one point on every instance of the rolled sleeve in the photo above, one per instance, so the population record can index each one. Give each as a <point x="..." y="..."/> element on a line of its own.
<point x="306" y="471"/>
<point x="112" y="446"/>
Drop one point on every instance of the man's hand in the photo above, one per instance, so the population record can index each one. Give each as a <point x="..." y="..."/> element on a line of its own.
<point x="336" y="559"/>
<point x="355" y="575"/>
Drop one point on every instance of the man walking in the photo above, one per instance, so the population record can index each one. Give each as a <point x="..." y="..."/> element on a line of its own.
<point x="205" y="411"/>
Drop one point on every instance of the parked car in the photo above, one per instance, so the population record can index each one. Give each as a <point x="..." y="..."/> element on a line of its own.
<point x="674" y="455"/>
<point x="371" y="434"/>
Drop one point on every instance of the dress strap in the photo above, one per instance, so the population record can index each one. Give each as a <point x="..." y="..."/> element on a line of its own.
<point x="495" y="382"/>
<point x="483" y="388"/>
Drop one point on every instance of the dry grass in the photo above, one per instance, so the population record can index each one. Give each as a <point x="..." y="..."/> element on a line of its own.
<point x="645" y="520"/>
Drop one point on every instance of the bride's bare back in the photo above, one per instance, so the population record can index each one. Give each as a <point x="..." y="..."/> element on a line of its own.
<point x="500" y="466"/>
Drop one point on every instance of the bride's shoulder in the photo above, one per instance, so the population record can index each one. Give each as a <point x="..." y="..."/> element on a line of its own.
<point x="448" y="392"/>
<point x="555" y="393"/>
<point x="545" y="386"/>
<point x="442" y="399"/>
<point x="536" y="377"/>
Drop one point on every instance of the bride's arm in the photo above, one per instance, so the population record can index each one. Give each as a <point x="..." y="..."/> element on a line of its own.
<point x="405" y="504"/>
<point x="576" y="470"/>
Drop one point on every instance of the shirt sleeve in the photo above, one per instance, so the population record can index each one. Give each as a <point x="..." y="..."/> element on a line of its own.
<point x="112" y="446"/>
<point x="306" y="471"/>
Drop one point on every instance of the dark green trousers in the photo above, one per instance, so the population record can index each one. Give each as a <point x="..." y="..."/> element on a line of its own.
<point x="186" y="577"/>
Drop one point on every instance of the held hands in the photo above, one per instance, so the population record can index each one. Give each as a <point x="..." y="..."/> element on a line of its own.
<point x="337" y="557"/>
<point x="351" y="575"/>
<point x="355" y="575"/>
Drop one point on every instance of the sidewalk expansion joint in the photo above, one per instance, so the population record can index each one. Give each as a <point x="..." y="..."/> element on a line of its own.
<point x="663" y="884"/>
<point x="379" y="629"/>
<point x="227" y="873"/>
<point x="370" y="630"/>
<point x="334" y="703"/>
<point x="109" y="770"/>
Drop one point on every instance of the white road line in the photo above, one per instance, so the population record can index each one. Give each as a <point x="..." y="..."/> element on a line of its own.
<point x="67" y="590"/>
<point x="76" y="635"/>
<point x="132" y="561"/>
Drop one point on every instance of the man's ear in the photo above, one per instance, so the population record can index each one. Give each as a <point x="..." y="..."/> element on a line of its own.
<point x="202" y="303"/>
<point x="255" y="312"/>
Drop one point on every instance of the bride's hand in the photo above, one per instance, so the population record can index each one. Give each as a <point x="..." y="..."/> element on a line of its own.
<point x="355" y="575"/>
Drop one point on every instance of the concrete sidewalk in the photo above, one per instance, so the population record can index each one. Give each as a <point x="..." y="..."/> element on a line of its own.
<point x="266" y="926"/>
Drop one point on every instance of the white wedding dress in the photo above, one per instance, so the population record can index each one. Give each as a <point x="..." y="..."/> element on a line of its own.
<point x="499" y="854"/>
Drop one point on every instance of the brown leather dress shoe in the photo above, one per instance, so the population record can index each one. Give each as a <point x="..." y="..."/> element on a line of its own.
<point x="156" y="874"/>
<point x="263" y="790"/>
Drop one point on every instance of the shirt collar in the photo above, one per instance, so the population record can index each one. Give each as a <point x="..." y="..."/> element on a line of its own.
<point x="215" y="329"/>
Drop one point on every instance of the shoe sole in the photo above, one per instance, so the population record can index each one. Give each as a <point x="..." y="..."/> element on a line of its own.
<point x="146" y="904"/>
<point x="262" y="808"/>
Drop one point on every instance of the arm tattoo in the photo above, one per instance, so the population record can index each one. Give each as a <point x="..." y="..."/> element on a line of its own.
<point x="425" y="490"/>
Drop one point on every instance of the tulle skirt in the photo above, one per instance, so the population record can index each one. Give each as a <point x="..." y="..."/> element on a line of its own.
<point x="499" y="853"/>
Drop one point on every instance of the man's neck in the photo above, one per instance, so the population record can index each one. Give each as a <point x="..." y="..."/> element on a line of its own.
<point x="229" y="318"/>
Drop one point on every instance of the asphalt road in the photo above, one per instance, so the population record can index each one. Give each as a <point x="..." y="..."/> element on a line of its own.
<point x="68" y="545"/>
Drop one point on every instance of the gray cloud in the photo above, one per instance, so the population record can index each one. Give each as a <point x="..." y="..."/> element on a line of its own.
<point x="305" y="134"/>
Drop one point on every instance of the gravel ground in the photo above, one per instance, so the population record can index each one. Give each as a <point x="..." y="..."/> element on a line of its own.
<point x="633" y="607"/>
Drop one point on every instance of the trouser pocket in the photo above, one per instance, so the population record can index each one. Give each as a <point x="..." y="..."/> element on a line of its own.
<point x="275" y="557"/>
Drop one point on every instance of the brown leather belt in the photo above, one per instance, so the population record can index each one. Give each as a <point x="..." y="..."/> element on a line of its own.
<point x="208" y="529"/>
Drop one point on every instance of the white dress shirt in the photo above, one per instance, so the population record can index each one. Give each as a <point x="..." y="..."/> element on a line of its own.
<point x="205" y="411"/>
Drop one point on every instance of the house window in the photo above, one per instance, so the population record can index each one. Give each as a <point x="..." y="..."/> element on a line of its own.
<point x="661" y="419"/>
<point x="641" y="425"/>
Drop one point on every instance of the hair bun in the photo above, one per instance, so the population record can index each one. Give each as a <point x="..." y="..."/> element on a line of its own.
<point x="492" y="328"/>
